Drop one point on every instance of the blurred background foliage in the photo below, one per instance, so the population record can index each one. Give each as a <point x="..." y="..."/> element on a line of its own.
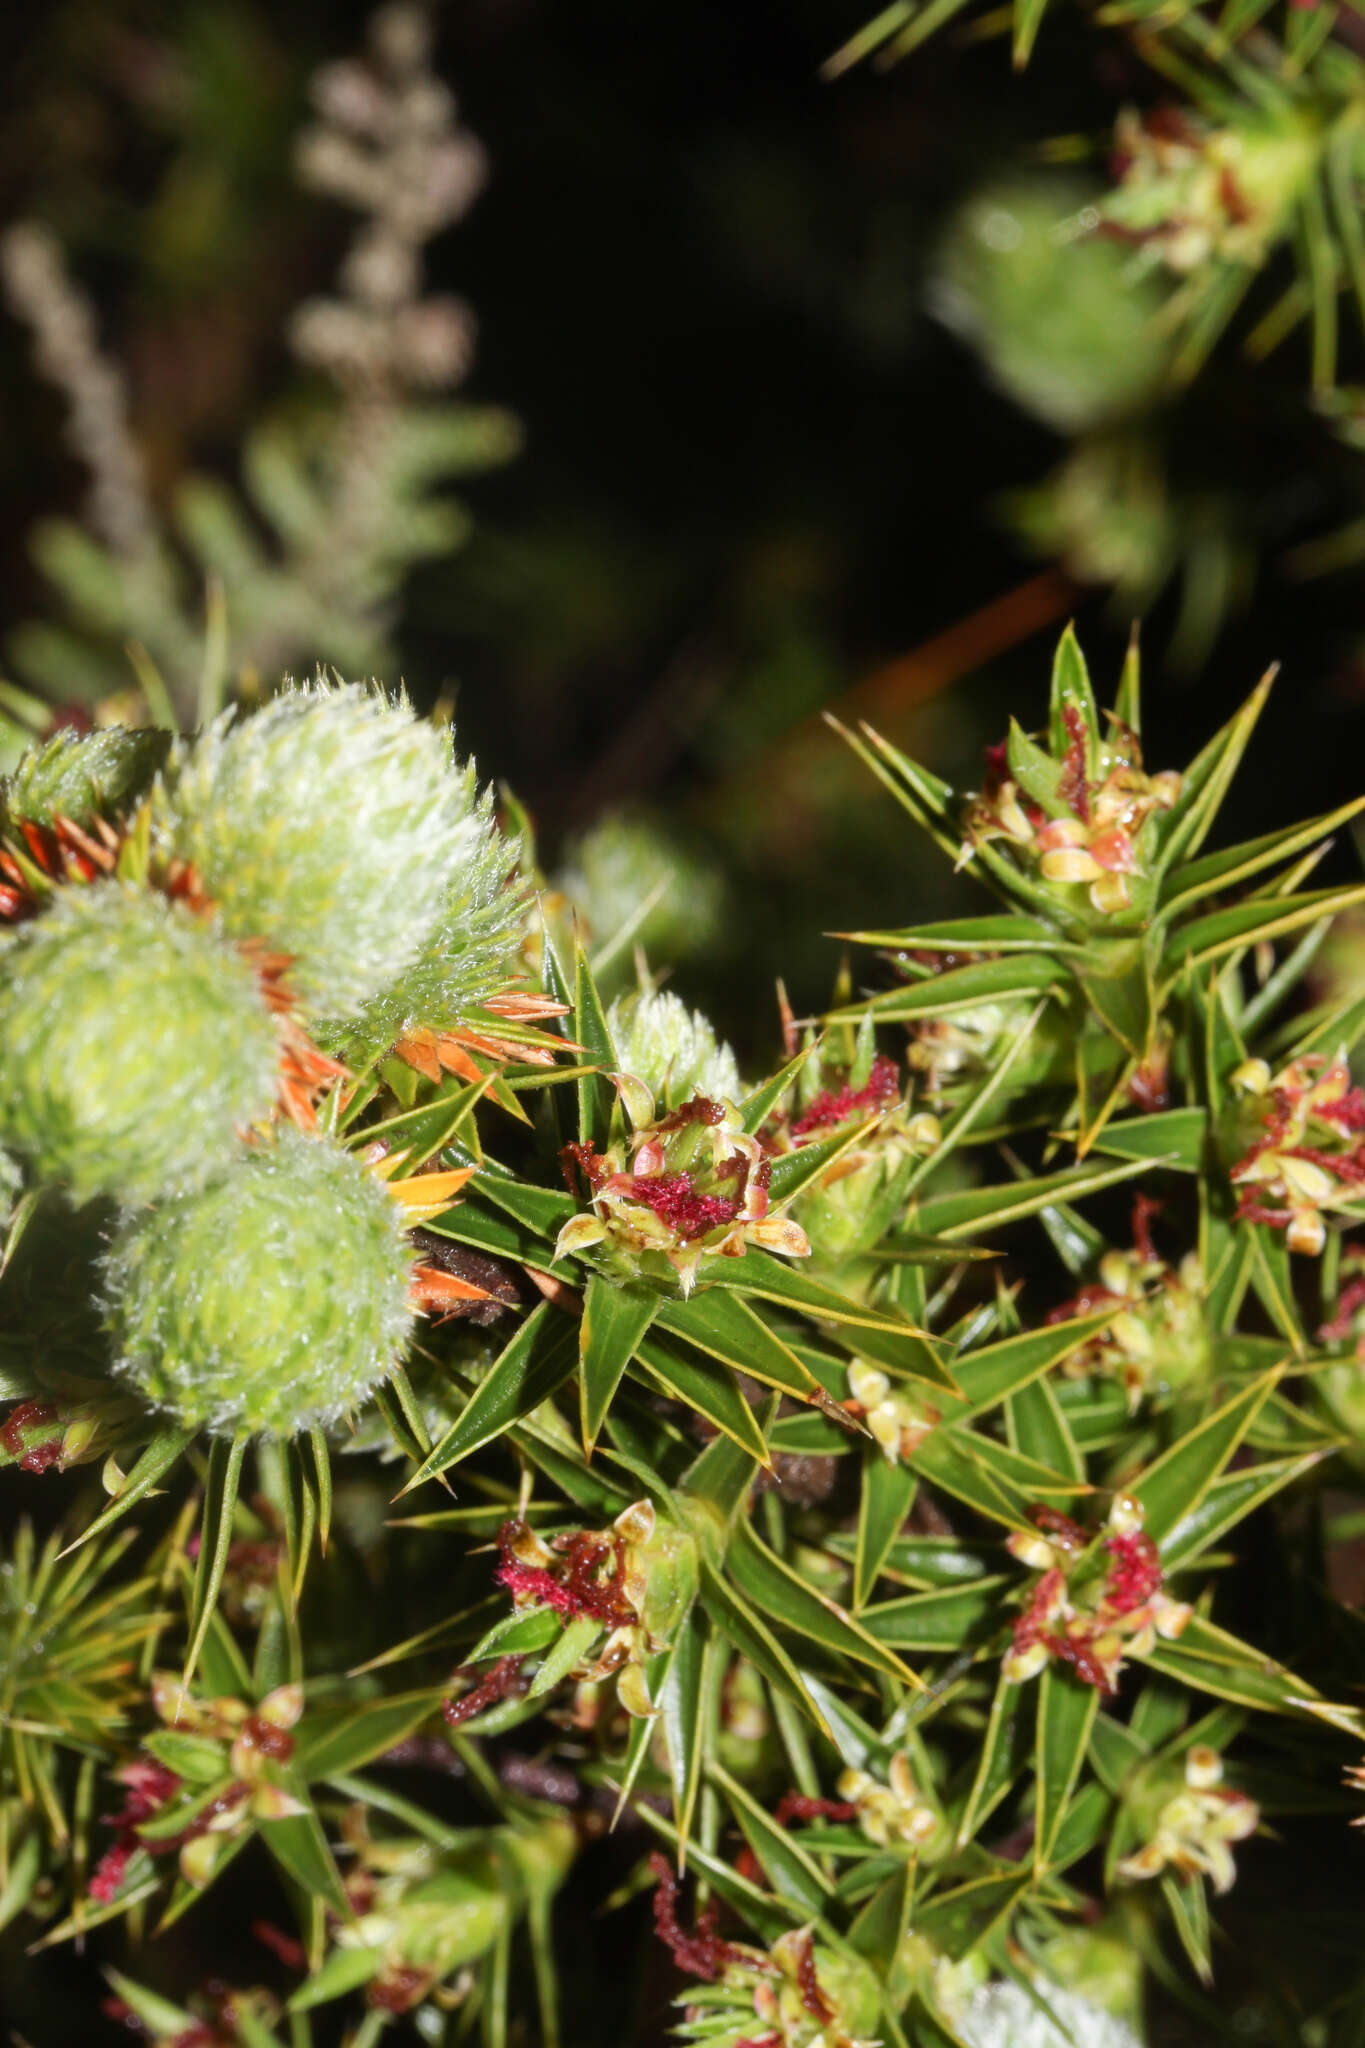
<point x="819" y="408"/>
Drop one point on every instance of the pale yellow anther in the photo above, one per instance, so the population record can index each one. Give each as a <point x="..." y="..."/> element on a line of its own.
<point x="1012" y="815"/>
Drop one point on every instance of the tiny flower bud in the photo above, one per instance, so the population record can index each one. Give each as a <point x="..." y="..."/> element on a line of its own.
<point x="1125" y="1515"/>
<point x="1012" y="814"/>
<point x="885" y="1426"/>
<point x="1116" y="1274"/>
<point x="867" y="1385"/>
<point x="1307" y="1233"/>
<point x="1203" y="1767"/>
<point x="639" y="1103"/>
<point x="1070" y="864"/>
<point x="1252" y="1077"/>
<point x="578" y="1233"/>
<point x="1060" y="833"/>
<point x="632" y="1690"/>
<point x="1170" y="1617"/>
<point x="272" y="1802"/>
<point x="1114" y="850"/>
<point x="924" y="1131"/>
<point x="282" y="1707"/>
<point x="1031" y="1549"/>
<point x="780" y="1234"/>
<point x="636" y="1523"/>
<point x="1134" y="1336"/>
<point x="1021" y="1665"/>
<point x="197" y="1859"/>
<point x="1110" y="894"/>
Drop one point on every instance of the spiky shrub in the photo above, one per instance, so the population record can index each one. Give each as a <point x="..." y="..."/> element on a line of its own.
<point x="853" y="1505"/>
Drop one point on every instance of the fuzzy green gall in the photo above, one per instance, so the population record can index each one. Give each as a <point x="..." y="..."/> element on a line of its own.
<point x="468" y="957"/>
<point x="135" y="1045"/>
<point x="274" y="1300"/>
<point x="672" y="1049"/>
<point x="332" y="826"/>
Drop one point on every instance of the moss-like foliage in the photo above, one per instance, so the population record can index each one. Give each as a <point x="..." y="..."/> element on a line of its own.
<point x="672" y="1049"/>
<point x="134" y="1044"/>
<point x="333" y="825"/>
<point x="273" y="1300"/>
<point x="83" y="776"/>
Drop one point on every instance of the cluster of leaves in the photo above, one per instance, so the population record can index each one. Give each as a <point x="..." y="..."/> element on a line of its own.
<point x="812" y="1554"/>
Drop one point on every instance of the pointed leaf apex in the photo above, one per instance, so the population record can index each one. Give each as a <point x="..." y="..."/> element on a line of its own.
<point x="1072" y="693"/>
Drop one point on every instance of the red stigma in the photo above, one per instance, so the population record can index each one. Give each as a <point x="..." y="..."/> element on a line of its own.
<point x="1135" y="1574"/>
<point x="675" y="1200"/>
<point x="702" y="1953"/>
<point x="812" y="1997"/>
<point x="574" y="1587"/>
<point x="496" y="1685"/>
<point x="832" y="1108"/>
<point x="38" y="1457"/>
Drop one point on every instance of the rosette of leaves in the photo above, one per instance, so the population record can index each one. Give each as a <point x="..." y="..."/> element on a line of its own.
<point x="1098" y="865"/>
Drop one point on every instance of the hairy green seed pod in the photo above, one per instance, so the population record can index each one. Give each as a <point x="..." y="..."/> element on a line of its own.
<point x="83" y="777"/>
<point x="330" y="824"/>
<point x="135" y="1044"/>
<point x="274" y="1299"/>
<point x="672" y="1049"/>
